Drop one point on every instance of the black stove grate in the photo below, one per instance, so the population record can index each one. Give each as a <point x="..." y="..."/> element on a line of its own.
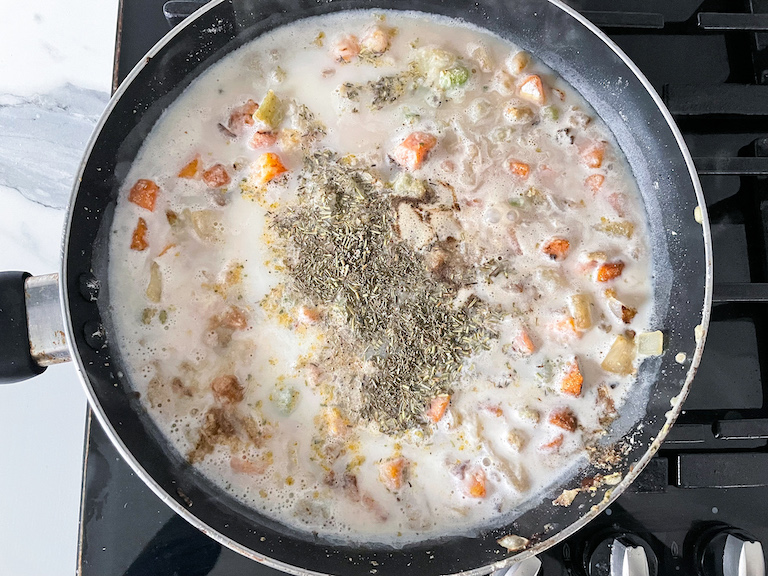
<point x="709" y="60"/>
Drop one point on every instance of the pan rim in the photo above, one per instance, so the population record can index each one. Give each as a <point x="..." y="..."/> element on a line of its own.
<point x="177" y="508"/>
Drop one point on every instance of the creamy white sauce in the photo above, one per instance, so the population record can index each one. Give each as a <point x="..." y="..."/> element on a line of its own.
<point x="498" y="393"/>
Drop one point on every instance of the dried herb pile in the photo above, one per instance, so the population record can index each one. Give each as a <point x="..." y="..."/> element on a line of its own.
<point x="342" y="252"/>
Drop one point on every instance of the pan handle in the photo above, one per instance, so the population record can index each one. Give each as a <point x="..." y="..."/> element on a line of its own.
<point x="32" y="333"/>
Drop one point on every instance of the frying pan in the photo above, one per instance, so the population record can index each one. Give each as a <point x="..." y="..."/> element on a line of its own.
<point x="32" y="308"/>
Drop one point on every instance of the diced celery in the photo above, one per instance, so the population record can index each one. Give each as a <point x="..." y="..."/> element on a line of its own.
<point x="453" y="77"/>
<point x="551" y="113"/>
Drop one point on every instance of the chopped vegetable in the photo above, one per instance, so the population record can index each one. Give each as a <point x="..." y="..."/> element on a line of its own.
<point x="285" y="400"/>
<point x="554" y="444"/>
<point x="437" y="407"/>
<point x="518" y="168"/>
<point x="139" y="238"/>
<point x="516" y="114"/>
<point x="243" y="466"/>
<point x="572" y="379"/>
<point x="620" y="228"/>
<point x="271" y="110"/>
<point x="144" y="194"/>
<point x="206" y="225"/>
<point x="262" y="140"/>
<point x="154" y="288"/>
<point x="619" y="309"/>
<point x="595" y="182"/>
<point x="650" y="343"/>
<point x="593" y="156"/>
<point x="475" y="483"/>
<point x="375" y="40"/>
<point x="516" y="440"/>
<point x="410" y="187"/>
<point x="621" y="356"/>
<point x="411" y="152"/>
<point x="216" y="176"/>
<point x="564" y="418"/>
<point x="557" y="249"/>
<point x="581" y="309"/>
<point x="191" y="170"/>
<point x="566" y="327"/>
<point x="242" y="116"/>
<point x="392" y="471"/>
<point x="532" y="89"/>
<point x="480" y="54"/>
<point x="518" y="62"/>
<point x="345" y="50"/>
<point x="609" y="270"/>
<point x="513" y="543"/>
<point x="453" y="77"/>
<point x="267" y="167"/>
<point x="523" y="343"/>
<point x="227" y="389"/>
<point x="336" y="424"/>
<point x="307" y="314"/>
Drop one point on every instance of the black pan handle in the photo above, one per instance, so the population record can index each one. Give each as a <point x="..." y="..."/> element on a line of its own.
<point x="31" y="326"/>
<point x="16" y="362"/>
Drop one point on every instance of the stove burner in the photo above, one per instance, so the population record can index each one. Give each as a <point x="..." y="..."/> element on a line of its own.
<point x="709" y="481"/>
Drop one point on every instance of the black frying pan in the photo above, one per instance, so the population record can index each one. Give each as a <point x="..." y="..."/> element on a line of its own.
<point x="682" y="266"/>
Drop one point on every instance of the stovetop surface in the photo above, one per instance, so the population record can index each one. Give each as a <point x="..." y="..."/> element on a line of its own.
<point x="712" y="471"/>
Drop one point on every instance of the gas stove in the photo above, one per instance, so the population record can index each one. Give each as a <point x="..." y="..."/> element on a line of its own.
<point x="701" y="506"/>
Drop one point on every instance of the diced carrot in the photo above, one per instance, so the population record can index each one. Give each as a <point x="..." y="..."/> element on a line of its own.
<point x="216" y="176"/>
<point x="139" y="238"/>
<point x="532" y="89"/>
<point x="144" y="194"/>
<point x="346" y="49"/>
<point x="572" y="380"/>
<point x="555" y="444"/>
<point x="609" y="271"/>
<point x="564" y="418"/>
<point x="593" y="156"/>
<point x="494" y="409"/>
<point x="307" y="314"/>
<point x="166" y="249"/>
<point x="567" y="327"/>
<point x="519" y="168"/>
<point x="437" y="408"/>
<point x="618" y="202"/>
<point x="475" y="483"/>
<point x="523" y="343"/>
<point x="411" y="152"/>
<point x="268" y="166"/>
<point x="191" y="169"/>
<point x="557" y="248"/>
<point x="392" y="471"/>
<point x="262" y="140"/>
<point x="242" y="116"/>
<point x="595" y="182"/>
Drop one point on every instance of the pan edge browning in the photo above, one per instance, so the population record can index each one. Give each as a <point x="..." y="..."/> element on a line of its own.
<point x="648" y="138"/>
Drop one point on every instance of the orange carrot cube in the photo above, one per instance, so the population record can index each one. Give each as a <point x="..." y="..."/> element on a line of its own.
<point x="139" y="239"/>
<point x="144" y="194"/>
<point x="216" y="176"/>
<point x="564" y="418"/>
<point x="519" y="168"/>
<point x="437" y="408"/>
<point x="593" y="156"/>
<point x="345" y="49"/>
<point x="392" y="472"/>
<point x="523" y="343"/>
<point x="242" y="116"/>
<point x="475" y="483"/>
<point x="609" y="271"/>
<point x="554" y="445"/>
<point x="532" y="89"/>
<point x="595" y="182"/>
<point x="191" y="169"/>
<point x="572" y="380"/>
<point x="557" y="249"/>
<point x="268" y="166"/>
<point x="262" y="140"/>
<point x="411" y="152"/>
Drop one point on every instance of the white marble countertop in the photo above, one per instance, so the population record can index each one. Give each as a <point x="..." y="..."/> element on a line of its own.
<point x="55" y="74"/>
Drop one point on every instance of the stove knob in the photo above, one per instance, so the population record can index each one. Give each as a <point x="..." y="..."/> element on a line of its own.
<point x="528" y="567"/>
<point x="620" y="553"/>
<point x="628" y="560"/>
<point x="742" y="557"/>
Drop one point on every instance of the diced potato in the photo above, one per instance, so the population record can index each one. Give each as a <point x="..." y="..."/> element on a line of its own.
<point x="513" y="543"/>
<point x="154" y="289"/>
<point x="517" y="114"/>
<point x="622" y="312"/>
<point x="271" y="110"/>
<point x="581" y="310"/>
<point x="618" y="228"/>
<point x="206" y="224"/>
<point x="516" y="440"/>
<point x="621" y="356"/>
<point x="409" y="187"/>
<point x="530" y="414"/>
<point x="650" y="343"/>
<point x="518" y="62"/>
<point x="480" y="54"/>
